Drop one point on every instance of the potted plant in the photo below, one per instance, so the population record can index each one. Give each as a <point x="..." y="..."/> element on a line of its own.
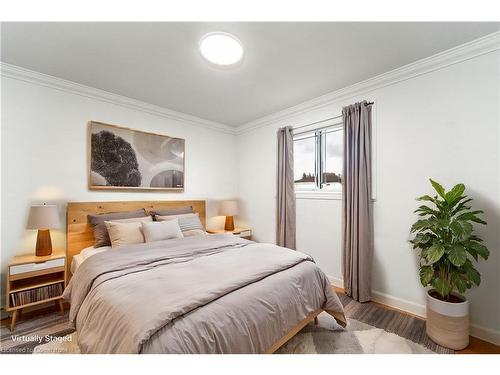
<point x="444" y="236"/>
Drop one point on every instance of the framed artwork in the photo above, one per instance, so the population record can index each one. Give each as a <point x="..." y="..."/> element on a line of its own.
<point x="123" y="158"/>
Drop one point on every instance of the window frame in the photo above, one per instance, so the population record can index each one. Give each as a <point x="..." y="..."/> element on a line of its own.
<point x="319" y="192"/>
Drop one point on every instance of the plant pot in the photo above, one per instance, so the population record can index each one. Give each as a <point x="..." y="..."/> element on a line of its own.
<point x="448" y="322"/>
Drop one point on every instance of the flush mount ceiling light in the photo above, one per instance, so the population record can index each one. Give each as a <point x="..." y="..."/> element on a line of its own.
<point x="221" y="49"/>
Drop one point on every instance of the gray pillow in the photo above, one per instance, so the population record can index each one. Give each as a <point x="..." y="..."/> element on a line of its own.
<point x="186" y="221"/>
<point x="172" y="211"/>
<point x="101" y="236"/>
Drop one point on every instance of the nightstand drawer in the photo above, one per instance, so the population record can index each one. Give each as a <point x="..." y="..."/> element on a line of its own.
<point x="32" y="267"/>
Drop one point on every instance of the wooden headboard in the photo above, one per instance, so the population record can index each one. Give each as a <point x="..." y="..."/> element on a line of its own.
<point x="79" y="233"/>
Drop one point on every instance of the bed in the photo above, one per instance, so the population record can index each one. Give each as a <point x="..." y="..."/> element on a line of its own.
<point x="203" y="294"/>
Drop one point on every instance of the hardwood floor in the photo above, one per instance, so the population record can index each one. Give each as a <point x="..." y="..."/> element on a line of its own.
<point x="32" y="314"/>
<point x="476" y="346"/>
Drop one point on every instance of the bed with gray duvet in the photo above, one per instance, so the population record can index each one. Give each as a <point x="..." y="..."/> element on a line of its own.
<point x="202" y="294"/>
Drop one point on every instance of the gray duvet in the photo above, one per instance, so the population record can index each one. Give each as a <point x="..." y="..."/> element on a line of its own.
<point x="203" y="294"/>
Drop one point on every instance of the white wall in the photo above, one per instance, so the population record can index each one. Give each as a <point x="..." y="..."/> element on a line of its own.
<point x="44" y="158"/>
<point x="443" y="124"/>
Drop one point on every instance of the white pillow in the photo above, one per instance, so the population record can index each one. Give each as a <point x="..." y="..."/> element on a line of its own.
<point x="161" y="230"/>
<point x="124" y="233"/>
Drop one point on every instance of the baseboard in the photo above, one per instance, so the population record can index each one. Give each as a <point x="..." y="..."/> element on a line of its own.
<point x="399" y="303"/>
<point x="486" y="334"/>
<point x="335" y="281"/>
<point x="483" y="333"/>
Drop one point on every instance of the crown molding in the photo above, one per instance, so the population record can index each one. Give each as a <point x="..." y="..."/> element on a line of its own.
<point x="478" y="47"/>
<point x="475" y="48"/>
<point x="37" y="78"/>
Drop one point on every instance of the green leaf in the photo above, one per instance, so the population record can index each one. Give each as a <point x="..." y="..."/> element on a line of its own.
<point x="454" y="195"/>
<point x="428" y="198"/>
<point x="421" y="239"/>
<point x="442" y="286"/>
<point x="434" y="253"/>
<point x="460" y="282"/>
<point x="439" y="189"/>
<point x="480" y="249"/>
<point x="475" y="238"/>
<point x="426" y="274"/>
<point x="471" y="251"/>
<point x="462" y="206"/>
<point x="424" y="210"/>
<point x="472" y="273"/>
<point x="457" y="255"/>
<point x="420" y="225"/>
<point x="471" y="216"/>
<point x="461" y="229"/>
<point x="443" y="223"/>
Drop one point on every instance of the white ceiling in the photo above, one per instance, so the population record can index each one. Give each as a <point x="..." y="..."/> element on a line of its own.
<point x="284" y="64"/>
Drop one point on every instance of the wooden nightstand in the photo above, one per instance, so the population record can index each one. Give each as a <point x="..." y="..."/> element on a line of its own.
<point x="245" y="233"/>
<point x="33" y="280"/>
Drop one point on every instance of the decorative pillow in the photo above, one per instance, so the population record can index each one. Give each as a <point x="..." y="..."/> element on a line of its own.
<point x="172" y="211"/>
<point x="101" y="237"/>
<point x="186" y="221"/>
<point x="163" y="230"/>
<point x="124" y="233"/>
<point x="133" y="219"/>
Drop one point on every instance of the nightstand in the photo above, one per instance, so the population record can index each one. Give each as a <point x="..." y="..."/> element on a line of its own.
<point x="33" y="280"/>
<point x="245" y="233"/>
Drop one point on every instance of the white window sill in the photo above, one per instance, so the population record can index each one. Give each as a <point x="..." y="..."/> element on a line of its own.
<point x="324" y="195"/>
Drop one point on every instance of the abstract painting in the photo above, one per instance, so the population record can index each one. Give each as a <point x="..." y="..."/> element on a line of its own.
<point x="123" y="158"/>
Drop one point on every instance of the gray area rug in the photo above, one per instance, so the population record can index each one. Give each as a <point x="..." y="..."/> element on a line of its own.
<point x="371" y="329"/>
<point x="33" y="332"/>
<point x="357" y="338"/>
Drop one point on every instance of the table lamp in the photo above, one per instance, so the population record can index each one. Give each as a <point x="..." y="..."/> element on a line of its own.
<point x="229" y="209"/>
<point x="43" y="217"/>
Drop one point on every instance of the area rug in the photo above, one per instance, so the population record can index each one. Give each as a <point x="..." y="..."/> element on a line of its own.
<point x="357" y="338"/>
<point x="31" y="333"/>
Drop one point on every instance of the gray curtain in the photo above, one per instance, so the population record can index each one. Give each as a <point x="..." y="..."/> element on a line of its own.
<point x="285" y="229"/>
<point x="357" y="218"/>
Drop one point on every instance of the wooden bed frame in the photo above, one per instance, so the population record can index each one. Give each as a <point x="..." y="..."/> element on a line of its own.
<point x="309" y="318"/>
<point x="79" y="235"/>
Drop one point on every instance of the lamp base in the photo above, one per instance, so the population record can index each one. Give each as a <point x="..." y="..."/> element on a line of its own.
<point x="229" y="223"/>
<point x="43" y="243"/>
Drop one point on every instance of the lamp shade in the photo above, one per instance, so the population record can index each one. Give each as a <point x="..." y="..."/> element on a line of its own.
<point x="228" y="208"/>
<point x="43" y="217"/>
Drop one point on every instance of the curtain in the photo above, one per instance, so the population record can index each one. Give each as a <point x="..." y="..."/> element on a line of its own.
<point x="285" y="229"/>
<point x="357" y="218"/>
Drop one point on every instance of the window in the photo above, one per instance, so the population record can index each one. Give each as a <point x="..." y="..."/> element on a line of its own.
<point x="318" y="159"/>
<point x="304" y="160"/>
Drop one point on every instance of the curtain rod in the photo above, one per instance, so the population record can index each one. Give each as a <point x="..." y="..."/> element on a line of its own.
<point x="328" y="119"/>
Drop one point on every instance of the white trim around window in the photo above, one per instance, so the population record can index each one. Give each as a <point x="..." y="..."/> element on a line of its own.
<point x="318" y="194"/>
<point x="337" y="195"/>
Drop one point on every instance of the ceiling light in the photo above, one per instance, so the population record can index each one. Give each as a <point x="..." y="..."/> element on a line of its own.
<point x="221" y="48"/>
